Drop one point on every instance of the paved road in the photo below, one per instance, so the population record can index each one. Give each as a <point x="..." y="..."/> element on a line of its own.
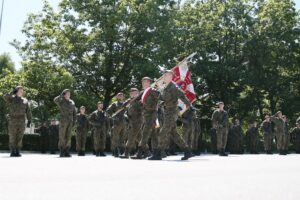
<point x="47" y="177"/>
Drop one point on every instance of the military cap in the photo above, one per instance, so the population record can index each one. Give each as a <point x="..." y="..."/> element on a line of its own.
<point x="65" y="91"/>
<point x="120" y="93"/>
<point x="134" y="90"/>
<point x="147" y="78"/>
<point x="100" y="102"/>
<point x="277" y="113"/>
<point x="220" y="102"/>
<point x="17" y="89"/>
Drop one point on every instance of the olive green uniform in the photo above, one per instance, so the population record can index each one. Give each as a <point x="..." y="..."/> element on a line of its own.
<point x="235" y="140"/>
<point x="295" y="139"/>
<point x="188" y="127"/>
<point x="118" y="126"/>
<point x="252" y="135"/>
<point x="170" y="96"/>
<point x="220" y="123"/>
<point x="135" y="123"/>
<point x="268" y="135"/>
<point x="98" y="120"/>
<point x="279" y="132"/>
<point x="82" y="127"/>
<point x="19" y="110"/>
<point x="67" y="121"/>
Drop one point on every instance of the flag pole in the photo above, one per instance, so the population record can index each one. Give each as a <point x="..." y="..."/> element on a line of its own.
<point x="1" y="15"/>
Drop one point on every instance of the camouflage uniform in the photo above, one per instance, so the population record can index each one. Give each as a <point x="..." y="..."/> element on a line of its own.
<point x="150" y="105"/>
<point x="118" y="127"/>
<point x="66" y="123"/>
<point x="235" y="140"/>
<point x="135" y="123"/>
<point x="197" y="135"/>
<point x="268" y="135"/>
<point x="170" y="96"/>
<point x="82" y="127"/>
<point x="213" y="140"/>
<point x="188" y="127"/>
<point x="98" y="120"/>
<point x="220" y="123"/>
<point x="18" y="111"/>
<point x="287" y="137"/>
<point x="295" y="139"/>
<point x="279" y="133"/>
<point x="44" y="137"/>
<point x="252" y="135"/>
<point x="53" y="138"/>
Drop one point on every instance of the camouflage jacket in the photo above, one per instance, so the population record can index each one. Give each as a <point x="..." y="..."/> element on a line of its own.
<point x="151" y="101"/>
<point x="113" y="108"/>
<point x="18" y="108"/>
<point x="67" y="109"/>
<point x="82" y="122"/>
<point x="170" y="96"/>
<point x="220" y="119"/>
<point x="279" y="124"/>
<point x="98" y="119"/>
<point x="135" y="110"/>
<point x="266" y="127"/>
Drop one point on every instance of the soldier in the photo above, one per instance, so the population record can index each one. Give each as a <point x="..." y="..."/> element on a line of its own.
<point x="213" y="140"/>
<point x="279" y="132"/>
<point x="188" y="126"/>
<point x="236" y="137"/>
<point x="197" y="135"/>
<point x="19" y="110"/>
<point x="67" y="121"/>
<point x="135" y="119"/>
<point x="170" y="96"/>
<point x="295" y="137"/>
<point x="118" y="125"/>
<point x="44" y="137"/>
<point x="98" y="120"/>
<point x="82" y="127"/>
<point x="149" y="98"/>
<point x="286" y="134"/>
<point x="252" y="135"/>
<point x="220" y="123"/>
<point x="53" y="136"/>
<point x="266" y="128"/>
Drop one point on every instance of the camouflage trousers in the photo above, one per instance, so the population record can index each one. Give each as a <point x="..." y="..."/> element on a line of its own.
<point x="268" y="141"/>
<point x="134" y="133"/>
<point x="149" y="119"/>
<point x="99" y="138"/>
<point x="168" y="131"/>
<point x="286" y="141"/>
<point x="118" y="135"/>
<point x="154" y="138"/>
<point x="15" y="132"/>
<point x="80" y="139"/>
<point x="280" y="139"/>
<point x="65" y="134"/>
<point x="253" y="143"/>
<point x="188" y="134"/>
<point x="222" y="134"/>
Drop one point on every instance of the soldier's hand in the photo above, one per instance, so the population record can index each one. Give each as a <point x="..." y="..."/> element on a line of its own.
<point x="28" y="124"/>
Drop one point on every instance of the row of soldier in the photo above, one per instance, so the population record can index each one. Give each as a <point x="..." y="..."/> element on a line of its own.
<point x="148" y="119"/>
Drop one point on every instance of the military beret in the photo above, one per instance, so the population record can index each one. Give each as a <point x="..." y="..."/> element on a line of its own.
<point x="134" y="90"/>
<point x="100" y="102"/>
<point x="147" y="78"/>
<point x="120" y="93"/>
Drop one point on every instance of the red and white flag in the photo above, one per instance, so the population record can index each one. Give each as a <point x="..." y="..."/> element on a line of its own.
<point x="182" y="77"/>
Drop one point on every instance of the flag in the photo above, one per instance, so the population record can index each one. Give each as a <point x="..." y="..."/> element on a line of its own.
<point x="183" y="79"/>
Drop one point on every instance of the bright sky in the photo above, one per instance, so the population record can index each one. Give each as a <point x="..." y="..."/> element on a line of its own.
<point x="14" y="16"/>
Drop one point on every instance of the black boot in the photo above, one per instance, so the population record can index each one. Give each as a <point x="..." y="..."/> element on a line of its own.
<point x="163" y="154"/>
<point x="139" y="155"/>
<point x="187" y="154"/>
<point x="97" y="153"/>
<point x="147" y="153"/>
<point x="197" y="153"/>
<point x="172" y="153"/>
<point x="156" y="155"/>
<point x="18" y="153"/>
<point x="126" y="154"/>
<point x="67" y="153"/>
<point x="13" y="153"/>
<point x="116" y="153"/>
<point x="102" y="154"/>
<point x="282" y="152"/>
<point x="222" y="153"/>
<point x="62" y="153"/>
